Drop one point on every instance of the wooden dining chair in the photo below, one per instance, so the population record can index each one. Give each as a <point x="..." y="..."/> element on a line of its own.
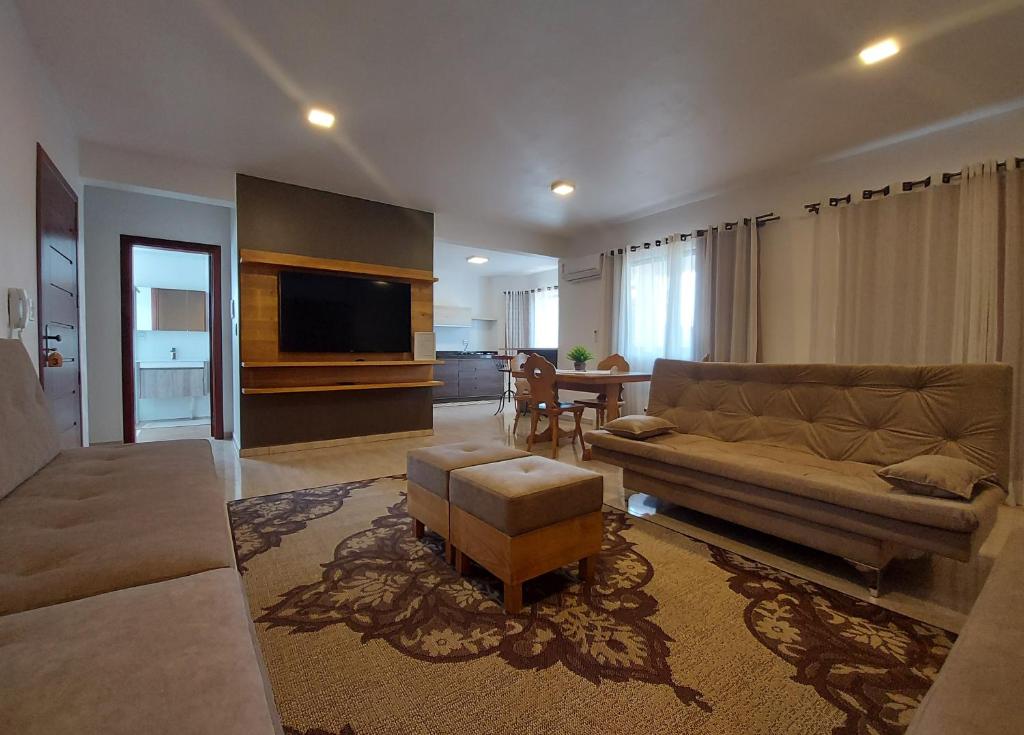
<point x="540" y="374"/>
<point x="522" y="400"/>
<point x="600" y="402"/>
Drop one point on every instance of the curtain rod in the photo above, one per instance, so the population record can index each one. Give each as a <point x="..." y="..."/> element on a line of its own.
<point x="867" y="194"/>
<point x="534" y="290"/>
<point x="760" y="220"/>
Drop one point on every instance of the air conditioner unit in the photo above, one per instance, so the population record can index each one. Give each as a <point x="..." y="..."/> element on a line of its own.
<point x="583" y="268"/>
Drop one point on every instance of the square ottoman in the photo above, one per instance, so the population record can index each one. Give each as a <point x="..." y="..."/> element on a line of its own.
<point x="524" y="517"/>
<point x="427" y="473"/>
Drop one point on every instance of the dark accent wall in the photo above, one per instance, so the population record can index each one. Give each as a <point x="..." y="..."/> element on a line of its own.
<point x="286" y="218"/>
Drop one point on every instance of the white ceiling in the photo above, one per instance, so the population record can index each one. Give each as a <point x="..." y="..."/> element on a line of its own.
<point x="451" y="259"/>
<point x="473" y="108"/>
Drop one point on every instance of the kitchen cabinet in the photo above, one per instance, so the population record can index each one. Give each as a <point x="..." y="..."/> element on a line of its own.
<point x="452" y="316"/>
<point x="177" y="310"/>
<point x="467" y="377"/>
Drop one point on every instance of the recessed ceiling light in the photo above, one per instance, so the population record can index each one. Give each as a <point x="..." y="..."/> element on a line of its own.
<point x="321" y="118"/>
<point x="881" y="50"/>
<point x="476" y="259"/>
<point x="563" y="188"/>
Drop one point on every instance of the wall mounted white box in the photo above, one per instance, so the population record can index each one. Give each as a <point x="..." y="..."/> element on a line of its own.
<point x="424" y="346"/>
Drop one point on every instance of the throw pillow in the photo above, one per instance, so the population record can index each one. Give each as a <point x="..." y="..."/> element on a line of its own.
<point x="639" y="427"/>
<point x="937" y="476"/>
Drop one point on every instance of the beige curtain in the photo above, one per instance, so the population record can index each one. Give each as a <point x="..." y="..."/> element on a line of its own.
<point x="611" y="300"/>
<point x="932" y="276"/>
<point x="518" y="318"/>
<point x="727" y="324"/>
<point x="1011" y="335"/>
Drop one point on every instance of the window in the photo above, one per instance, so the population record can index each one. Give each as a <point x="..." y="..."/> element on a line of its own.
<point x="544" y="318"/>
<point x="660" y="297"/>
<point x="657" y="301"/>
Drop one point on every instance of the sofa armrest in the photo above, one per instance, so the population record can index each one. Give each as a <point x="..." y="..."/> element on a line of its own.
<point x="978" y="691"/>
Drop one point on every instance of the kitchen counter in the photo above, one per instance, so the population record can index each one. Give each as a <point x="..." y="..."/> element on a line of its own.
<point x="459" y="355"/>
<point x="171" y="364"/>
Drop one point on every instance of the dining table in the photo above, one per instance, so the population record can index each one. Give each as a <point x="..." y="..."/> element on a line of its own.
<point x="599" y="382"/>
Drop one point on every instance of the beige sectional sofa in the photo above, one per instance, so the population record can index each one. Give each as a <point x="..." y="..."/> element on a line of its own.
<point x="977" y="691"/>
<point x="121" y="610"/>
<point x="792" y="450"/>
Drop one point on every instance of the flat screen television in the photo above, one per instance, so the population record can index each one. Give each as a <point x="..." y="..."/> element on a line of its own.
<point x="330" y="313"/>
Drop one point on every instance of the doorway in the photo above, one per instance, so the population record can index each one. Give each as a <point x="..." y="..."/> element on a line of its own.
<point x="57" y="268"/>
<point x="171" y="360"/>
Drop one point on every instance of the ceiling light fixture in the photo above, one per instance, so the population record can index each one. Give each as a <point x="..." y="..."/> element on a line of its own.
<point x="881" y="50"/>
<point x="563" y="188"/>
<point x="476" y="259"/>
<point x="320" y="118"/>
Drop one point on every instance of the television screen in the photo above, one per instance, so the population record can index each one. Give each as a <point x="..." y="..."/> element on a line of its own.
<point x="329" y="313"/>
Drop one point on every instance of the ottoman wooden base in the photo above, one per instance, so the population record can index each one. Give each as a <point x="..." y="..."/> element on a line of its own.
<point x="430" y="511"/>
<point x="515" y="559"/>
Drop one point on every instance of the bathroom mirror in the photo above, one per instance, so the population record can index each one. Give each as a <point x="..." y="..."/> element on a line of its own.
<point x="170" y="310"/>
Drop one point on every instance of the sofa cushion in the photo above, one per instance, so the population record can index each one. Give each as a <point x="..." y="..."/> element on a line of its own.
<point x="106" y="518"/>
<point x="842" y="483"/>
<point x="936" y="476"/>
<point x="429" y="467"/>
<point x="639" y="427"/>
<point x="170" y="657"/>
<point x="873" y="414"/>
<point x="520" y="495"/>
<point x="29" y="434"/>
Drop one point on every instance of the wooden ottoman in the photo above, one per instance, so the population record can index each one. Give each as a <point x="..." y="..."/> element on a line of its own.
<point x="525" y="517"/>
<point x="427" y="473"/>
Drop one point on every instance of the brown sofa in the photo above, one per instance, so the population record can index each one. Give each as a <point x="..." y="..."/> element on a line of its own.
<point x="792" y="450"/>
<point x="121" y="610"/>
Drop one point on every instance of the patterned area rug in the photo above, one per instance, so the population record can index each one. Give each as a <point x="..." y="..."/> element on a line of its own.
<point x="366" y="630"/>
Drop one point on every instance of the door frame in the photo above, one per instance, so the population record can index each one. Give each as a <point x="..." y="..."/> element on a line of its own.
<point x="128" y="243"/>
<point x="43" y="161"/>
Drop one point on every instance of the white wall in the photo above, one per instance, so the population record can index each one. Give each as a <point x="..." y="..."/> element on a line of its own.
<point x="787" y="245"/>
<point x="461" y="284"/>
<point x="149" y="174"/>
<point x="110" y="213"/>
<point x="32" y="112"/>
<point x="497" y="236"/>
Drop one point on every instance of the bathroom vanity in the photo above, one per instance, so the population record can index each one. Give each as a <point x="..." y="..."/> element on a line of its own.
<point x="173" y="379"/>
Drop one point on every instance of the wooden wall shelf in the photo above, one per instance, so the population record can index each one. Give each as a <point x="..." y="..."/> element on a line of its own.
<point x="336" y="363"/>
<point x="351" y="386"/>
<point x="329" y="264"/>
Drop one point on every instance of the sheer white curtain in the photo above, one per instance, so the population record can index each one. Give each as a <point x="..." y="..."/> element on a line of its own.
<point x="931" y="276"/>
<point x="656" y="311"/>
<point x="544" y="317"/>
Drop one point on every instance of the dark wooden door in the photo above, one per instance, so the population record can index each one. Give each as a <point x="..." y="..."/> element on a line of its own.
<point x="57" y="239"/>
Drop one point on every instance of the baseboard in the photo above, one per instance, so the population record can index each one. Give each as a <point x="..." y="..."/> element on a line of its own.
<point x="327" y="443"/>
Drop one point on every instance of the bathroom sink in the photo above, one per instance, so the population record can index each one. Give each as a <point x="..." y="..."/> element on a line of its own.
<point x="171" y="364"/>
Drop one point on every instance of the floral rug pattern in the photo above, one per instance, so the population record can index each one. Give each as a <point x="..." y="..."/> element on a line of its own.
<point x="387" y="585"/>
<point x="868" y="662"/>
<point x="258" y="524"/>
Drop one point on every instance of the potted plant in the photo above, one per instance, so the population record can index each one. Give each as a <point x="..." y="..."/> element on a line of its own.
<point x="579" y="356"/>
